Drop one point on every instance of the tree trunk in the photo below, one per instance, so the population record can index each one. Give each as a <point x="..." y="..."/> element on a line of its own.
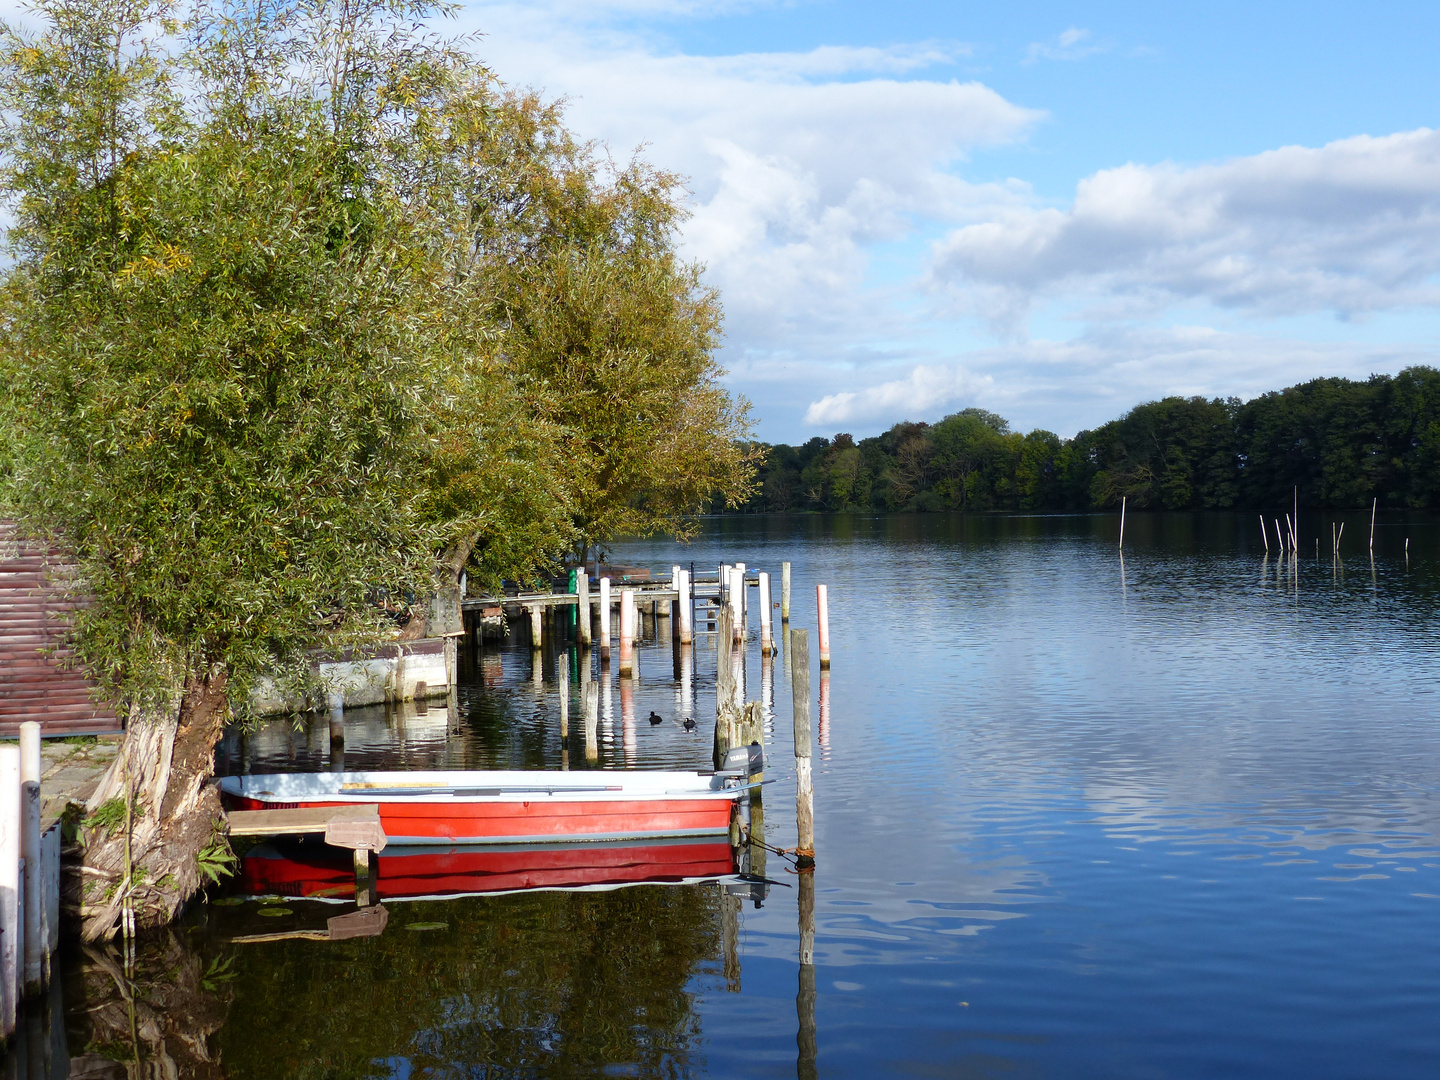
<point x="150" y="855"/>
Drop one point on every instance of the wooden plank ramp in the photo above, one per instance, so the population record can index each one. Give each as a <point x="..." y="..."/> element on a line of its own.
<point x="353" y="826"/>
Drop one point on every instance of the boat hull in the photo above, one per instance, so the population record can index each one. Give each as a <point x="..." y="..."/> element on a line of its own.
<point x="543" y="810"/>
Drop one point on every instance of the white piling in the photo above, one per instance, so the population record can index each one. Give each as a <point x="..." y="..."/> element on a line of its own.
<point x="744" y="589"/>
<point x="1265" y="534"/>
<point x="11" y="921"/>
<point x="582" y="609"/>
<point x="1373" y="507"/>
<point x="767" y="641"/>
<point x="537" y="626"/>
<point x="627" y="631"/>
<point x="822" y="605"/>
<point x="30" y="852"/>
<point x="1122" y="522"/>
<point x="604" y="621"/>
<point x="687" y="609"/>
<point x="562" y="676"/>
<point x="737" y="602"/>
<point x="592" y="722"/>
<point x="784" y="592"/>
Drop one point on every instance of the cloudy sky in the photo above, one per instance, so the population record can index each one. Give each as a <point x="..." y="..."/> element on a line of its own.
<point x="1050" y="210"/>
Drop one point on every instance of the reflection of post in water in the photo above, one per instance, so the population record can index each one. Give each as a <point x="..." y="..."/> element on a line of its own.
<point x="824" y="732"/>
<point x="730" y="939"/>
<point x="337" y="734"/>
<point x="627" y="718"/>
<point x="805" y="998"/>
<point x="684" y="694"/>
<point x="562" y="663"/>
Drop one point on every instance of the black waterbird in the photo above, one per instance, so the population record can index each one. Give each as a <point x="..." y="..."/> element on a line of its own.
<point x="689" y="724"/>
<point x="655" y="718"/>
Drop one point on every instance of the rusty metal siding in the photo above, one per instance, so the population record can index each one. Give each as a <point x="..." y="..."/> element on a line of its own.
<point x="36" y="682"/>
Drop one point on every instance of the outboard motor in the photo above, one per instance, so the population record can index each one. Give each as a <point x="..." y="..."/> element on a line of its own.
<point x="743" y="762"/>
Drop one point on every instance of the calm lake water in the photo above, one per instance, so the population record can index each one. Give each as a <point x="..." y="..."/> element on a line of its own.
<point x="1171" y="817"/>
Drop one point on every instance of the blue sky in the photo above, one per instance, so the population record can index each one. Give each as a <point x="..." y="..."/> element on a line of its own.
<point x="1054" y="211"/>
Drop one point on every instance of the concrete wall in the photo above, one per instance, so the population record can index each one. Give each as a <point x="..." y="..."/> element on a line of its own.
<point x="400" y="672"/>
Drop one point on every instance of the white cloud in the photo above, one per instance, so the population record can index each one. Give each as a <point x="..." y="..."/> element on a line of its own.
<point x="922" y="393"/>
<point x="1070" y="385"/>
<point x="800" y="162"/>
<point x="1072" y="44"/>
<point x="1351" y="227"/>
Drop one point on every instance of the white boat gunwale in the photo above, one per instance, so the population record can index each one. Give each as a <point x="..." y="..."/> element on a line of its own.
<point x="479" y="786"/>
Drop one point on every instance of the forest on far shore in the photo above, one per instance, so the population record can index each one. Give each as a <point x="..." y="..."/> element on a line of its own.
<point x="1343" y="442"/>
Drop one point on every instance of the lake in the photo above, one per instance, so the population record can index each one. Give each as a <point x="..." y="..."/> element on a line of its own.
<point x="1174" y="815"/>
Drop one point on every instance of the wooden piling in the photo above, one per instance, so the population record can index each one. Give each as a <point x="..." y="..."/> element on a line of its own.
<point x="11" y="919"/>
<point x="592" y="722"/>
<point x="804" y="791"/>
<point x="30" y="853"/>
<point x="537" y="626"/>
<point x="1122" y="522"/>
<point x="1374" y="506"/>
<point x="687" y="609"/>
<point x="822" y="605"/>
<point x="784" y="592"/>
<point x="1265" y="534"/>
<point x="726" y="691"/>
<point x="744" y="591"/>
<point x="562" y="676"/>
<point x="767" y="641"/>
<point x="604" y="622"/>
<point x="582" y="609"/>
<point x="627" y="632"/>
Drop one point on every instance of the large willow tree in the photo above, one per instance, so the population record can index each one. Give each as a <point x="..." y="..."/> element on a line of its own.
<point x="270" y="346"/>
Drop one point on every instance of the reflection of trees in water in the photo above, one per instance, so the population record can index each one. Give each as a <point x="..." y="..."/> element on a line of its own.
<point x="552" y="984"/>
<point x="160" y="1022"/>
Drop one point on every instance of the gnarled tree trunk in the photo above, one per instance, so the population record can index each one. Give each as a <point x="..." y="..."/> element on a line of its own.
<point x="150" y="855"/>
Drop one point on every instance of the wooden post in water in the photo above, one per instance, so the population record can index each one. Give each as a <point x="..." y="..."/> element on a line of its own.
<point x="725" y="720"/>
<point x="1375" y="505"/>
<point x="604" y="622"/>
<point x="804" y="792"/>
<point x="582" y="609"/>
<point x="30" y="852"/>
<point x="592" y="722"/>
<point x="11" y="918"/>
<point x="767" y="641"/>
<point x="1297" y="519"/>
<point x="1122" y="522"/>
<point x="627" y="632"/>
<point x="1265" y="534"/>
<point x="822" y="606"/>
<point x="537" y="627"/>
<point x="562" y="673"/>
<point x="744" y="592"/>
<point x="687" y="608"/>
<point x="785" y="592"/>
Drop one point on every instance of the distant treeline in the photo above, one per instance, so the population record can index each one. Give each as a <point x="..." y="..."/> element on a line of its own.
<point x="1343" y="442"/>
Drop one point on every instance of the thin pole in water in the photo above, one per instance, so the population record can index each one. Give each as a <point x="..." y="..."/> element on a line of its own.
<point x="1122" y="522"/>
<point x="804" y="791"/>
<point x="785" y="592"/>
<point x="604" y="622"/>
<point x="1296" y="525"/>
<point x="822" y="606"/>
<point x="1265" y="534"/>
<point x="1373" y="507"/>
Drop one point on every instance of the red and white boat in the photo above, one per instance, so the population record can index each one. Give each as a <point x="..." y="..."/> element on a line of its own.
<point x="509" y="807"/>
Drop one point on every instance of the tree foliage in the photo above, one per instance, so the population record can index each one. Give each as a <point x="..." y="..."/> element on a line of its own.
<point x="1342" y="442"/>
<point x="301" y="298"/>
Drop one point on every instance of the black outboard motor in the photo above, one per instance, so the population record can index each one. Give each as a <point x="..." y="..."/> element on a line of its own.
<point x="742" y="763"/>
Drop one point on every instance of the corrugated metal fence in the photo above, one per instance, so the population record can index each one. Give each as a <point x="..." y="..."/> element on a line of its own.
<point x="36" y="679"/>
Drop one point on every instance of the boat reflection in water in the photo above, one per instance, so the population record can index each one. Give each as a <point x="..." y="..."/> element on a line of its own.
<point x="310" y="868"/>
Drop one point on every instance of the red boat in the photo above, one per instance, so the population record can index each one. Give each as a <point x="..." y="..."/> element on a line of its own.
<point x="313" y="870"/>
<point x="450" y="808"/>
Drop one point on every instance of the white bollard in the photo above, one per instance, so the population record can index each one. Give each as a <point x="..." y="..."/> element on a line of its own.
<point x="822" y="603"/>
<point x="767" y="641"/>
<point x="744" y="589"/>
<point x="582" y="609"/>
<point x="11" y="919"/>
<point x="687" y="610"/>
<point x="604" y="620"/>
<point x="30" y="851"/>
<point x="737" y="599"/>
<point x="785" y="592"/>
